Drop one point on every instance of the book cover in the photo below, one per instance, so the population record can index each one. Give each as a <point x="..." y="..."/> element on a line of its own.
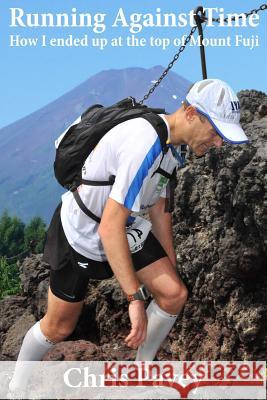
<point x="58" y="59"/>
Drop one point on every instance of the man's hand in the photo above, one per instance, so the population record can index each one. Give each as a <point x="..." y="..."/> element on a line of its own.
<point x="138" y="318"/>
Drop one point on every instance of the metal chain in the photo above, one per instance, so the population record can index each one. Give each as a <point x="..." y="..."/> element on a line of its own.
<point x="187" y="40"/>
<point x="31" y="248"/>
<point x="165" y="72"/>
<point x="23" y="253"/>
<point x="247" y="14"/>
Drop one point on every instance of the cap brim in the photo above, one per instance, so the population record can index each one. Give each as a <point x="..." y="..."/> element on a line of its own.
<point x="231" y="133"/>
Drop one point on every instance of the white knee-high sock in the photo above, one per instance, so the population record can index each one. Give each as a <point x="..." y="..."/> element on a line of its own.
<point x="33" y="348"/>
<point x="159" y="325"/>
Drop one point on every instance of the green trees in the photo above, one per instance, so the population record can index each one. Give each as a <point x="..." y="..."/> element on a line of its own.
<point x="11" y="235"/>
<point x="9" y="278"/>
<point x="16" y="238"/>
<point x="35" y="231"/>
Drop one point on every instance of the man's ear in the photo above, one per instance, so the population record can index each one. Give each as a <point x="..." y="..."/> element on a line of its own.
<point x="190" y="113"/>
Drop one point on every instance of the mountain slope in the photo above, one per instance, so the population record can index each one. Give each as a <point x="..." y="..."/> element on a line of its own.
<point x="27" y="184"/>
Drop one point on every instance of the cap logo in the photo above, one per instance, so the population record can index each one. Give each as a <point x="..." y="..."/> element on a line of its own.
<point x="235" y="106"/>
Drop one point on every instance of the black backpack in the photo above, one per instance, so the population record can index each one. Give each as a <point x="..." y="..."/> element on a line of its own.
<point x="80" y="139"/>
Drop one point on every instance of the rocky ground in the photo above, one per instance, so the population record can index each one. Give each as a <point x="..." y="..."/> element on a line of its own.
<point x="220" y="237"/>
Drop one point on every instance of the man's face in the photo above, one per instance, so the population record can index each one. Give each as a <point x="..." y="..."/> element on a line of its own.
<point x="202" y="135"/>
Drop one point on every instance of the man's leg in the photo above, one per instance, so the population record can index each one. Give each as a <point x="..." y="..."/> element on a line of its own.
<point x="170" y="295"/>
<point x="58" y="323"/>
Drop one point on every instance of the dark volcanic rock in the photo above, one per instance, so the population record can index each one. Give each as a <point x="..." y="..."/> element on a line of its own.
<point x="71" y="351"/>
<point x="220" y="233"/>
<point x="87" y="351"/>
<point x="220" y="237"/>
<point x="16" y="333"/>
<point x="11" y="308"/>
<point x="34" y="274"/>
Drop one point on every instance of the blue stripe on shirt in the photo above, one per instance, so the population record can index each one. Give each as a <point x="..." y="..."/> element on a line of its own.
<point x="142" y="173"/>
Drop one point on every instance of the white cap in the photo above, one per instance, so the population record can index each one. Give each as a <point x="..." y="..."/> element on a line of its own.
<point x="219" y="104"/>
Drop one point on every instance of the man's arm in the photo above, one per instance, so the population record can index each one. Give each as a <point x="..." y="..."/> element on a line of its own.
<point x="162" y="228"/>
<point x="113" y="236"/>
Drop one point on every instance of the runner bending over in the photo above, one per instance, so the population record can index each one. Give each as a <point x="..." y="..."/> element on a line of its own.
<point x="140" y="255"/>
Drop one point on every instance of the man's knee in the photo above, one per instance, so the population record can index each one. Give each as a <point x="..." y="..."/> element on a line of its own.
<point x="56" y="331"/>
<point x="173" y="299"/>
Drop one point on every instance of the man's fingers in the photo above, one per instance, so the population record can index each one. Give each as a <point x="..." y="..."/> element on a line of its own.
<point x="136" y="336"/>
<point x="133" y="332"/>
<point x="137" y="332"/>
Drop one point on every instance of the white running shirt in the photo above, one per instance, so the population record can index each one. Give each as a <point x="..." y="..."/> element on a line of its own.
<point x="132" y="152"/>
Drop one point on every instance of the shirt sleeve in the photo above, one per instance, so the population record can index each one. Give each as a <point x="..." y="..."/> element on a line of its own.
<point x="136" y="157"/>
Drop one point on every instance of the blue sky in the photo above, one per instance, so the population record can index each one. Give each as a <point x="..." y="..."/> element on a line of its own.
<point x="31" y="77"/>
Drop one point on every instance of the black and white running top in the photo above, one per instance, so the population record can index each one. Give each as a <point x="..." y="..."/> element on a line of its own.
<point x="131" y="151"/>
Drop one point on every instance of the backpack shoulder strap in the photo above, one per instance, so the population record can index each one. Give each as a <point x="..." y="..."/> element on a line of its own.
<point x="160" y="127"/>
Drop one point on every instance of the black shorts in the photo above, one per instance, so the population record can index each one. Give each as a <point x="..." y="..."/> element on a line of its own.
<point x="70" y="271"/>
